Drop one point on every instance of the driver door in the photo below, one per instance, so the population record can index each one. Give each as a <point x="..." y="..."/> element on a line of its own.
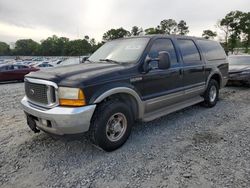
<point x="162" y="87"/>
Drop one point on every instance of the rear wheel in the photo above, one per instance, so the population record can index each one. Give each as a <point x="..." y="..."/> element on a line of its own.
<point x="211" y="94"/>
<point x="111" y="125"/>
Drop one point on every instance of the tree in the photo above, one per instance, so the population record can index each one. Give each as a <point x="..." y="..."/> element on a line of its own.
<point x="78" y="47"/>
<point x="182" y="28"/>
<point x="115" y="34"/>
<point x="26" y="47"/>
<point x="225" y="29"/>
<point x="232" y="22"/>
<point x="208" y="34"/>
<point x="94" y="45"/>
<point x="53" y="46"/>
<point x="152" y="31"/>
<point x="245" y="28"/>
<point x="4" y="49"/>
<point x="168" y="26"/>
<point x="136" y="31"/>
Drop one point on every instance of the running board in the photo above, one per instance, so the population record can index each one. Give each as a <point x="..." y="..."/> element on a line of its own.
<point x="172" y="108"/>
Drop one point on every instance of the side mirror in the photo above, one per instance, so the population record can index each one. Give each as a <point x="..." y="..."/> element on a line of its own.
<point x="164" y="60"/>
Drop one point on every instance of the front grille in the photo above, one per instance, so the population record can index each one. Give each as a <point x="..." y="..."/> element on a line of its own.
<point x="37" y="93"/>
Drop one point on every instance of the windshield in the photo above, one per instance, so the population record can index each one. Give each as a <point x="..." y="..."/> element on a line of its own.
<point x="240" y="60"/>
<point x="122" y="51"/>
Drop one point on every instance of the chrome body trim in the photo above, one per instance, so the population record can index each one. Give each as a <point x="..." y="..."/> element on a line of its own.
<point x="39" y="81"/>
<point x="201" y="89"/>
<point x="171" y="108"/>
<point x="49" y="84"/>
<point x="64" y="120"/>
<point x="157" y="103"/>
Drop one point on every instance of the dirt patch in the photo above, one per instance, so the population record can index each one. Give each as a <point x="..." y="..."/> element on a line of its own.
<point x="206" y="137"/>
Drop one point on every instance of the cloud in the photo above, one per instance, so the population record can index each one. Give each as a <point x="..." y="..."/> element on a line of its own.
<point x="76" y="18"/>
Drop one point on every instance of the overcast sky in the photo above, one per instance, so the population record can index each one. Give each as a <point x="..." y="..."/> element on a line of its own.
<point x="39" y="19"/>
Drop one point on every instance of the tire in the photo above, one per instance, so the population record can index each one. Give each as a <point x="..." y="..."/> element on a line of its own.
<point x="110" y="118"/>
<point x="211" y="94"/>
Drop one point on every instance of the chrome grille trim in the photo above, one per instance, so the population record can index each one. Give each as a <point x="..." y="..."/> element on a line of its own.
<point x="51" y="87"/>
<point x="36" y="92"/>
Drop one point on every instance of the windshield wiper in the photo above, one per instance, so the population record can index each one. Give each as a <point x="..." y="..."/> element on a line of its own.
<point x="110" y="61"/>
<point x="89" y="61"/>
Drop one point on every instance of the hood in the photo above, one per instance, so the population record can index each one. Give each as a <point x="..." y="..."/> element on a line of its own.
<point x="238" y="68"/>
<point x="75" y="73"/>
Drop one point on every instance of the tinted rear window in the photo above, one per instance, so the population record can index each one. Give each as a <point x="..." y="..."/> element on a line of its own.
<point x="212" y="50"/>
<point x="189" y="50"/>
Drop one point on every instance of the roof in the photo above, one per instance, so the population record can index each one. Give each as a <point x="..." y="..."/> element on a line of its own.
<point x="165" y="35"/>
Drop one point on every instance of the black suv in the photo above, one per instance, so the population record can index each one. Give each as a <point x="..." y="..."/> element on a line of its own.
<point x="139" y="78"/>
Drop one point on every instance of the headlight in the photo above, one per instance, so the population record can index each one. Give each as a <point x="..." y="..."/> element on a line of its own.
<point x="71" y="96"/>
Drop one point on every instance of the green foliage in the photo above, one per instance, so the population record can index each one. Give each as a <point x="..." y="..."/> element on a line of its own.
<point x="168" y="26"/>
<point x="152" y="31"/>
<point x="115" y="34"/>
<point x="245" y="29"/>
<point x="182" y="28"/>
<point x="78" y="47"/>
<point x="236" y="24"/>
<point x="208" y="34"/>
<point x="54" y="45"/>
<point x="94" y="45"/>
<point x="136" y="31"/>
<point x="4" y="49"/>
<point x="26" y="47"/>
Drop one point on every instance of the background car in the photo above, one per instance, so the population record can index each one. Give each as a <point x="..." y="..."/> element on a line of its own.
<point x="239" y="69"/>
<point x="43" y="65"/>
<point x="11" y="72"/>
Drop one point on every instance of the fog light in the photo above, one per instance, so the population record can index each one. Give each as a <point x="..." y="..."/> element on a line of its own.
<point x="44" y="121"/>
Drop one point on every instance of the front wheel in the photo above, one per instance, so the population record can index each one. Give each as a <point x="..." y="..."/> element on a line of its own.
<point x="111" y="125"/>
<point x="211" y="94"/>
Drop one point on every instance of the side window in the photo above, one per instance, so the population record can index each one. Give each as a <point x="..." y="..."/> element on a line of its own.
<point x="212" y="50"/>
<point x="23" y="67"/>
<point x="10" y="67"/>
<point x="163" y="45"/>
<point x="16" y="67"/>
<point x="189" y="50"/>
<point x="4" y="68"/>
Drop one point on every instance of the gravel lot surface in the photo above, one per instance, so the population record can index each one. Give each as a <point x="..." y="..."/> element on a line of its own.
<point x="195" y="147"/>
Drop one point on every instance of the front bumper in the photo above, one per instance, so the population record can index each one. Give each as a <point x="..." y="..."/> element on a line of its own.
<point x="60" y="120"/>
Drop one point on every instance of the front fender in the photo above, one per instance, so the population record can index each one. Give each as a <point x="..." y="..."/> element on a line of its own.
<point x="107" y="91"/>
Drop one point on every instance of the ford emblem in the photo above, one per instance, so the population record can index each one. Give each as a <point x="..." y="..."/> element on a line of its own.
<point x="32" y="92"/>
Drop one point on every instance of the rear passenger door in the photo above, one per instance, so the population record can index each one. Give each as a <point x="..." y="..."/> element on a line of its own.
<point x="193" y="66"/>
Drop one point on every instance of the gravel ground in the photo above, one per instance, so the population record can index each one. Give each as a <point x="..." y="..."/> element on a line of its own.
<point x="195" y="147"/>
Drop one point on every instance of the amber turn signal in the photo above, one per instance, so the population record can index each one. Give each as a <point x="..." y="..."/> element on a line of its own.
<point x="71" y="97"/>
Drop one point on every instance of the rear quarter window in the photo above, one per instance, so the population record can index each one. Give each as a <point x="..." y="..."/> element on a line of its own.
<point x="212" y="50"/>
